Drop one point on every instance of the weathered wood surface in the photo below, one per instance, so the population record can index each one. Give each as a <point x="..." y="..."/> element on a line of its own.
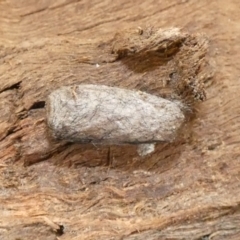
<point x="185" y="190"/>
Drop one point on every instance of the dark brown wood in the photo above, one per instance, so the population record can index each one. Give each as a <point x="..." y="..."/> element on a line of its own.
<point x="188" y="189"/>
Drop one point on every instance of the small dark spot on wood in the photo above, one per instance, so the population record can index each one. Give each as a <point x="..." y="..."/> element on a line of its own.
<point x="11" y="130"/>
<point x="37" y="105"/>
<point x="14" y="86"/>
<point x="213" y="146"/>
<point x="205" y="237"/>
<point x="60" y="231"/>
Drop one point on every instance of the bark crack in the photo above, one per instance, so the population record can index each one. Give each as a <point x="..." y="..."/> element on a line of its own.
<point x="13" y="86"/>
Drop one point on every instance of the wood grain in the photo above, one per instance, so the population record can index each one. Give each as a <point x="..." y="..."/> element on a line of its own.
<point x="186" y="190"/>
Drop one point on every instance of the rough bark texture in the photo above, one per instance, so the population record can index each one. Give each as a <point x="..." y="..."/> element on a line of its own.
<point x="188" y="189"/>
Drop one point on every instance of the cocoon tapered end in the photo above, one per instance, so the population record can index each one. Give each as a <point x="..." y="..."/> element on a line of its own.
<point x="111" y="115"/>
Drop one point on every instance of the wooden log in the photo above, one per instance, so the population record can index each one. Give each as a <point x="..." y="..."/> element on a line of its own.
<point x="188" y="189"/>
